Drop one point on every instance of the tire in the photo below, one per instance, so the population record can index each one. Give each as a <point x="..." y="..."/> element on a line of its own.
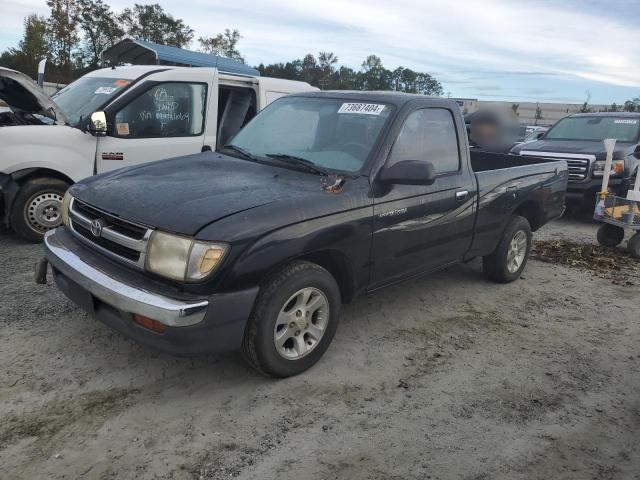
<point x="37" y="208"/>
<point x="278" y="300"/>
<point x="610" y="235"/>
<point x="633" y="246"/>
<point x="499" y="266"/>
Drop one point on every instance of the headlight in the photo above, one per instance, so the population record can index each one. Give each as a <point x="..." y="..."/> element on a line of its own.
<point x="66" y="202"/>
<point x="182" y="258"/>
<point x="617" y="168"/>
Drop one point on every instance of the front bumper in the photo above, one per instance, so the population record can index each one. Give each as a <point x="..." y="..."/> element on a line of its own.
<point x="113" y="294"/>
<point x="584" y="192"/>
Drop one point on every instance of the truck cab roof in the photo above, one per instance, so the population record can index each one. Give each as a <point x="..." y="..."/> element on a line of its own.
<point x="394" y="98"/>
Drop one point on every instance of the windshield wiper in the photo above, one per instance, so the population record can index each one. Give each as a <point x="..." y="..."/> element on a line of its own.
<point x="245" y="154"/>
<point x="298" y="161"/>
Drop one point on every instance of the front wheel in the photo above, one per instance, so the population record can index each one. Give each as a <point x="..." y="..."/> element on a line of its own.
<point x="508" y="260"/>
<point x="38" y="207"/>
<point x="293" y="321"/>
<point x="610" y="235"/>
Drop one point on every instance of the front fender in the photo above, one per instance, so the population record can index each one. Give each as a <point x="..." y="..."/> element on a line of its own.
<point x="59" y="148"/>
<point x="348" y="234"/>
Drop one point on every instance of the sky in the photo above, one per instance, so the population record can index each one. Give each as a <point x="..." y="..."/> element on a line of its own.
<point x="514" y="50"/>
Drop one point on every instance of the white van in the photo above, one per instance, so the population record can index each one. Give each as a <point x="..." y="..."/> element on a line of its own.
<point x="112" y="118"/>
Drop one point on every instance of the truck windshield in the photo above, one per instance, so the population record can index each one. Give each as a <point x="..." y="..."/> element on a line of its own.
<point x="595" y="128"/>
<point x="81" y="98"/>
<point x="331" y="133"/>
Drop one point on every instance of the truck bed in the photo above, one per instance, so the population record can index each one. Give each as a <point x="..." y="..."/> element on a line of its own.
<point x="506" y="180"/>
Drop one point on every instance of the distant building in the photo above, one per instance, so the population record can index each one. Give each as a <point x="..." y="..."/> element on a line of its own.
<point x="526" y="111"/>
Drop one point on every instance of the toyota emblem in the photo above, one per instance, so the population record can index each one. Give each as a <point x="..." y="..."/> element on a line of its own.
<point x="96" y="227"/>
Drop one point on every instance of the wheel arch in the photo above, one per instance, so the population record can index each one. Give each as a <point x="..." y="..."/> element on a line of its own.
<point x="532" y="211"/>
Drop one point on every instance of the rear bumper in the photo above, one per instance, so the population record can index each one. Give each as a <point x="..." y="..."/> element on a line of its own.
<point x="112" y="294"/>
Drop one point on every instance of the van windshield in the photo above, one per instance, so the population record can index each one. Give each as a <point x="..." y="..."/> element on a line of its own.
<point x="81" y="98"/>
<point x="331" y="133"/>
<point x="623" y="129"/>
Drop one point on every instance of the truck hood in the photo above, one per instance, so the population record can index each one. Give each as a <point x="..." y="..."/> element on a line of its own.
<point x="22" y="94"/>
<point x="185" y="194"/>
<point x="571" y="146"/>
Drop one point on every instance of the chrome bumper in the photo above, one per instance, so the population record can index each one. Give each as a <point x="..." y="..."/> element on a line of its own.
<point x="125" y="297"/>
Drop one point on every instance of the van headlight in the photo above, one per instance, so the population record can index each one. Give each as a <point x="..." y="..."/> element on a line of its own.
<point x="182" y="258"/>
<point x="66" y="204"/>
<point x="617" y="168"/>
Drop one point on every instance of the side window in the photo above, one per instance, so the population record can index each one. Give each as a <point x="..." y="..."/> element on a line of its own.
<point x="165" y="110"/>
<point x="430" y="135"/>
<point x="236" y="106"/>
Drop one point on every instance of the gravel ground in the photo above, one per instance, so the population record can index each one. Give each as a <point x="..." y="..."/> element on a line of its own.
<point x="446" y="377"/>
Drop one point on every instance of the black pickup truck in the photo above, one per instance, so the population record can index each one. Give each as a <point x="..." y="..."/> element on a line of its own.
<point x="323" y="196"/>
<point x="578" y="140"/>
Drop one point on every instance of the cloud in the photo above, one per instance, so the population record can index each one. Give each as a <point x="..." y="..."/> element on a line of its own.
<point x="511" y="43"/>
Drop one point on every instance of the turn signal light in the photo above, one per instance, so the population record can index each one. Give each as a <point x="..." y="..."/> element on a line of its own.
<point x="149" y="324"/>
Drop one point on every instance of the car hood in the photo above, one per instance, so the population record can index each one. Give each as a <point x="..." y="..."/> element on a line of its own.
<point x="22" y="93"/>
<point x="569" y="146"/>
<point x="185" y="194"/>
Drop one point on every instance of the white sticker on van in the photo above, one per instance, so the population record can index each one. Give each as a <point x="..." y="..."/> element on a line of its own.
<point x="361" y="108"/>
<point x="105" y="90"/>
<point x="627" y="121"/>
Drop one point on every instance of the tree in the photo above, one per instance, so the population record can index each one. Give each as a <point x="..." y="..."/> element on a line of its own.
<point x="614" y="107"/>
<point x="515" y="108"/>
<point x="62" y="33"/>
<point x="585" y="106"/>
<point x="224" y="44"/>
<point x="100" y="28"/>
<point x="31" y="49"/>
<point x="374" y="75"/>
<point x="538" y="115"/>
<point x="326" y="68"/>
<point x="152" y="23"/>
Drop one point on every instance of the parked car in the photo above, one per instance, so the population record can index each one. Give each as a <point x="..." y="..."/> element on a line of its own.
<point x="321" y="197"/>
<point x="144" y="113"/>
<point x="578" y="140"/>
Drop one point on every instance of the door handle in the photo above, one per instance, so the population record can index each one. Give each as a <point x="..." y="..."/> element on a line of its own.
<point x="462" y="195"/>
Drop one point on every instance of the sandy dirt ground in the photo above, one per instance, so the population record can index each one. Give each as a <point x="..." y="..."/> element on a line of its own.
<point x="446" y="377"/>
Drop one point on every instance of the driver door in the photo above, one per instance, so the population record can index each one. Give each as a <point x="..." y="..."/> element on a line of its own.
<point x="165" y="116"/>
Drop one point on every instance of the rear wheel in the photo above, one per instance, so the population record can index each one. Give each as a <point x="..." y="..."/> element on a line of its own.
<point x="610" y="235"/>
<point x="293" y="321"/>
<point x="38" y="207"/>
<point x="633" y="246"/>
<point x="508" y="260"/>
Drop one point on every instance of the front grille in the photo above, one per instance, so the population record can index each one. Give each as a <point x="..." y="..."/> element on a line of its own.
<point x="578" y="169"/>
<point x="115" y="237"/>
<point x="578" y="164"/>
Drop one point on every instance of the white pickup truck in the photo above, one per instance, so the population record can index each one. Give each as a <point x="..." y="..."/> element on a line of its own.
<point x="112" y="118"/>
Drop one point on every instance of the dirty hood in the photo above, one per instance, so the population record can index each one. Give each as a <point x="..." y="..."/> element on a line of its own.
<point x="21" y="93"/>
<point x="185" y="194"/>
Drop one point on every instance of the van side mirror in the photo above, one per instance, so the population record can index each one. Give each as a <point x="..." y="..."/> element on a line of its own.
<point x="539" y="135"/>
<point x="409" y="172"/>
<point x="98" y="124"/>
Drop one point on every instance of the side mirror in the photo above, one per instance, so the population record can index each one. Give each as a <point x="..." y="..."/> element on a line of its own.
<point x="409" y="172"/>
<point x="98" y="124"/>
<point x="539" y="135"/>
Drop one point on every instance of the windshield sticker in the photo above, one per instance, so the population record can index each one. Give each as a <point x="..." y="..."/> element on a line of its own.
<point x="361" y="108"/>
<point x="121" y="83"/>
<point x="105" y="90"/>
<point x="627" y="121"/>
<point x="122" y="128"/>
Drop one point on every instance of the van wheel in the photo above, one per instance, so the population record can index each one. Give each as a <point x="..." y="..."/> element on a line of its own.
<point x="610" y="235"/>
<point x="508" y="260"/>
<point x="38" y="207"/>
<point x="293" y="321"/>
